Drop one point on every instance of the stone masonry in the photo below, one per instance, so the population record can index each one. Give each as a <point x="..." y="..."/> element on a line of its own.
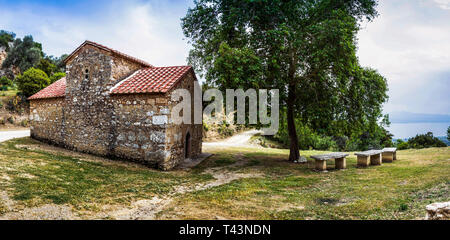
<point x="82" y="113"/>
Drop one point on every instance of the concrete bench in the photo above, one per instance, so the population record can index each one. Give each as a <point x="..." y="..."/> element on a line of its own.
<point x="372" y="157"/>
<point x="389" y="154"/>
<point x="321" y="160"/>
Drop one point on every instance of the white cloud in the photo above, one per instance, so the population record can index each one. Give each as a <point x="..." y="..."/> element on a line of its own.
<point x="150" y="31"/>
<point x="444" y="4"/>
<point x="408" y="44"/>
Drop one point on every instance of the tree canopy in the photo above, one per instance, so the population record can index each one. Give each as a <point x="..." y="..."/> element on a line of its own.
<point x="6" y="38"/>
<point x="306" y="49"/>
<point x="24" y="54"/>
<point x="32" y="81"/>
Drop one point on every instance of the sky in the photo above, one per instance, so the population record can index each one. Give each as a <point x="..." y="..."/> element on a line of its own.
<point x="409" y="43"/>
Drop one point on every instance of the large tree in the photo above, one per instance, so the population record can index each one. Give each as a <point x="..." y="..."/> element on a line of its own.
<point x="24" y="54"/>
<point x="305" y="48"/>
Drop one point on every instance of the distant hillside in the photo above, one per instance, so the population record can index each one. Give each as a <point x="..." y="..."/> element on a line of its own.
<point x="408" y="117"/>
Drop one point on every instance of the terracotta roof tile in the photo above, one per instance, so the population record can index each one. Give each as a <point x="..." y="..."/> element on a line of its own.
<point x="151" y="80"/>
<point x="54" y="90"/>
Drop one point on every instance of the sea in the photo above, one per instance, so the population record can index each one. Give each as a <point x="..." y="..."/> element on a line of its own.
<point x="408" y="130"/>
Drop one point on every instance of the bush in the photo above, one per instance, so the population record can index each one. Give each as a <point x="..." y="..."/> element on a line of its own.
<point x="5" y="83"/>
<point x="24" y="123"/>
<point x="32" y="81"/>
<point x="401" y="145"/>
<point x="11" y="119"/>
<point x="425" y="141"/>
<point x="307" y="138"/>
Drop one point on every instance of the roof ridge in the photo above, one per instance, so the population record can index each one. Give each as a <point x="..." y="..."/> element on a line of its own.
<point x="126" y="56"/>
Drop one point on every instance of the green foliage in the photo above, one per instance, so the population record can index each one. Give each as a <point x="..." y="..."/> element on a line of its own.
<point x="307" y="138"/>
<point x="401" y="145"/>
<point x="58" y="62"/>
<point x="5" y="83"/>
<point x="225" y="130"/>
<point x="24" y="54"/>
<point x="448" y="133"/>
<point x="425" y="141"/>
<point x="55" y="77"/>
<point x="32" y="81"/>
<point x="371" y="137"/>
<point x="5" y="38"/>
<point x="46" y="65"/>
<point x="306" y="49"/>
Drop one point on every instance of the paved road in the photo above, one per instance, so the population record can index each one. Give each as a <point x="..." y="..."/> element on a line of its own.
<point x="7" y="135"/>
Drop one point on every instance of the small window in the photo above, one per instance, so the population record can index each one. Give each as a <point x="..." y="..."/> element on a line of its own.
<point x="86" y="75"/>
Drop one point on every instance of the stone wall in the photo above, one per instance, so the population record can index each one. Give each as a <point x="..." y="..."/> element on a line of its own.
<point x="140" y="128"/>
<point x="176" y="134"/>
<point x="47" y="117"/>
<point x="133" y="126"/>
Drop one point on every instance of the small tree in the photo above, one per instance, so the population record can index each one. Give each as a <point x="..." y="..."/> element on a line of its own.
<point x="32" y="81"/>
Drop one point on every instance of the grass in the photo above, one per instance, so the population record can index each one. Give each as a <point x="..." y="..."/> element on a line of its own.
<point x="8" y="93"/>
<point x="33" y="175"/>
<point x="38" y="177"/>
<point x="398" y="190"/>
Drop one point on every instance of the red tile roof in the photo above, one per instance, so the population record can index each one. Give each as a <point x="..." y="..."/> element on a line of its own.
<point x="146" y="80"/>
<point x="54" y="90"/>
<point x="123" y="55"/>
<point x="151" y="80"/>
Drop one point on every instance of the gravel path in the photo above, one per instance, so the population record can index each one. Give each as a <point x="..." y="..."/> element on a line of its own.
<point x="8" y="135"/>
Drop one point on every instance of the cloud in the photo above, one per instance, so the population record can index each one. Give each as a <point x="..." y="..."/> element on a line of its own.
<point x="408" y="44"/>
<point x="444" y="4"/>
<point x="147" y="30"/>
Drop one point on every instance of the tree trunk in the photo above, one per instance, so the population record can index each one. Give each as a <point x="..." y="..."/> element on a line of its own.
<point x="294" y="154"/>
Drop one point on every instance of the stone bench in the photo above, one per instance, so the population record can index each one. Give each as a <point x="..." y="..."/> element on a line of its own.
<point x="372" y="157"/>
<point x="389" y="154"/>
<point x="321" y="160"/>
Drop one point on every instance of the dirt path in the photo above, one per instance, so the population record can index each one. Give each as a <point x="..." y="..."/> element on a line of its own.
<point x="141" y="209"/>
<point x="238" y="140"/>
<point x="148" y="209"/>
<point x="8" y="135"/>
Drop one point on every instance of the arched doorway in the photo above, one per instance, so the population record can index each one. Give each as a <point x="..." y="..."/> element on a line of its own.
<point x="187" y="146"/>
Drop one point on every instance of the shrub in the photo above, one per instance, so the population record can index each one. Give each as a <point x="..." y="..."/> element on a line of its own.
<point x="24" y="123"/>
<point x="32" y="81"/>
<point x="401" y="145"/>
<point x="5" y="83"/>
<point x="425" y="141"/>
<point x="11" y="119"/>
